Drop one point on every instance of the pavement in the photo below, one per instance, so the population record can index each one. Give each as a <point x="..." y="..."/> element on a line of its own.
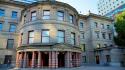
<point x="78" y="68"/>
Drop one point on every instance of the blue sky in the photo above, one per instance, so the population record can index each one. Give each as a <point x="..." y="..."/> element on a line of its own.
<point x="83" y="5"/>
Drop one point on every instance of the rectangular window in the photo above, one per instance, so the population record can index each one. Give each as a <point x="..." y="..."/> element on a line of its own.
<point x="12" y="28"/>
<point x="81" y="25"/>
<point x="102" y="26"/>
<point x="46" y="14"/>
<point x="84" y="59"/>
<point x="30" y="37"/>
<point x="71" y="18"/>
<point x="84" y="47"/>
<point x="2" y="12"/>
<point x="96" y="24"/>
<point x="97" y="34"/>
<point x="108" y="58"/>
<point x="14" y="14"/>
<point x="73" y="38"/>
<point x="61" y="36"/>
<point x="45" y="36"/>
<point x="110" y="36"/>
<point x="21" y="38"/>
<point x="103" y="36"/>
<point x="60" y="15"/>
<point x="33" y="15"/>
<point x="82" y="36"/>
<point x="108" y="26"/>
<point x="10" y="43"/>
<point x="8" y="59"/>
<point x="1" y="26"/>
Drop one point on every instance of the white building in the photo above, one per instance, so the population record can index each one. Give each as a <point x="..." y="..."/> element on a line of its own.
<point x="110" y="7"/>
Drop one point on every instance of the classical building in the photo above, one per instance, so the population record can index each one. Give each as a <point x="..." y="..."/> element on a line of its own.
<point x="53" y="34"/>
<point x="111" y="7"/>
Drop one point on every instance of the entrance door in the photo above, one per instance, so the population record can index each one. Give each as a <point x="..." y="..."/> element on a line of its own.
<point x="61" y="59"/>
<point x="97" y="60"/>
<point x="45" y="59"/>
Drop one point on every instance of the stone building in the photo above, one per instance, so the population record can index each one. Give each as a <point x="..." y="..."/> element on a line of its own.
<point x="47" y="34"/>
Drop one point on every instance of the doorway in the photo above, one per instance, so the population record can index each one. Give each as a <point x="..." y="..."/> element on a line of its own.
<point x="45" y="59"/>
<point x="97" y="60"/>
<point x="61" y="59"/>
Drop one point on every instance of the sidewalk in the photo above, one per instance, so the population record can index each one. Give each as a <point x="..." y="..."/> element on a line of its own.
<point x="80" y="68"/>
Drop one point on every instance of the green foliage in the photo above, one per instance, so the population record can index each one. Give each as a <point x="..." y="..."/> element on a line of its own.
<point x="120" y="29"/>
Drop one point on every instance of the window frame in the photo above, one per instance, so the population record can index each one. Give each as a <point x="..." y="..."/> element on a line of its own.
<point x="1" y="26"/>
<point x="61" y="37"/>
<point x="8" y="44"/>
<point x="33" y="17"/>
<point x="2" y="12"/>
<point x="31" y="37"/>
<point x="11" y="28"/>
<point x="71" y="18"/>
<point x="44" y="11"/>
<point x="62" y="16"/>
<point x="13" y="14"/>
<point x="45" y="36"/>
<point x="73" y="39"/>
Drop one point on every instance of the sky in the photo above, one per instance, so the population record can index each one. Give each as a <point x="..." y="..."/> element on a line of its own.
<point x="83" y="6"/>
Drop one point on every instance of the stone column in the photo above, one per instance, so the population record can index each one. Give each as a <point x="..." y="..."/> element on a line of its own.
<point x="20" y="60"/>
<point x="53" y="60"/>
<point x="24" y="60"/>
<point x="56" y="59"/>
<point x="39" y="59"/>
<point x="68" y="59"/>
<point x="50" y="59"/>
<point x="33" y="59"/>
<point x="17" y="59"/>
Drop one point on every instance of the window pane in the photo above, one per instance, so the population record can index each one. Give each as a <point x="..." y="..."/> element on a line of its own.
<point x="31" y="40"/>
<point x="46" y="14"/>
<point x="71" y="18"/>
<point x="14" y="14"/>
<point x="33" y="15"/>
<point x="45" y="33"/>
<point x="2" y="12"/>
<point x="73" y="38"/>
<point x="60" y="15"/>
<point x="45" y="39"/>
<point x="31" y="34"/>
<point x="81" y="25"/>
<point x="1" y="26"/>
<point x="10" y="43"/>
<point x="12" y="28"/>
<point x="60" y="34"/>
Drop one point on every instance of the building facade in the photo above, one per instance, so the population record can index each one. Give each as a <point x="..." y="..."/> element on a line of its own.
<point x="111" y="7"/>
<point x="45" y="34"/>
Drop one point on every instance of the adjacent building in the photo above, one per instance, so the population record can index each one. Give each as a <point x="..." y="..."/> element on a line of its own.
<point x="111" y="7"/>
<point x="47" y="34"/>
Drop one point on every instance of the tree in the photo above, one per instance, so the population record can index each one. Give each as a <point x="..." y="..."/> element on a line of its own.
<point x="120" y="29"/>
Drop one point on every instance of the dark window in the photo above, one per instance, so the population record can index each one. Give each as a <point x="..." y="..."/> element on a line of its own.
<point x="97" y="34"/>
<point x="2" y="12"/>
<point x="81" y="25"/>
<point x="103" y="36"/>
<point x="8" y="59"/>
<point x="61" y="36"/>
<point x="33" y="15"/>
<point x="10" y="43"/>
<point x="45" y="36"/>
<point x="73" y="38"/>
<point x="82" y="36"/>
<point x="84" y="59"/>
<point x="108" y="58"/>
<point x="46" y="14"/>
<point x="1" y="26"/>
<point x="30" y="37"/>
<point x="14" y="14"/>
<point x="71" y="18"/>
<point x="96" y="24"/>
<point x="84" y="47"/>
<point x="60" y="15"/>
<point x="21" y="38"/>
<point x="12" y="28"/>
<point x="108" y="26"/>
<point x="110" y="36"/>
